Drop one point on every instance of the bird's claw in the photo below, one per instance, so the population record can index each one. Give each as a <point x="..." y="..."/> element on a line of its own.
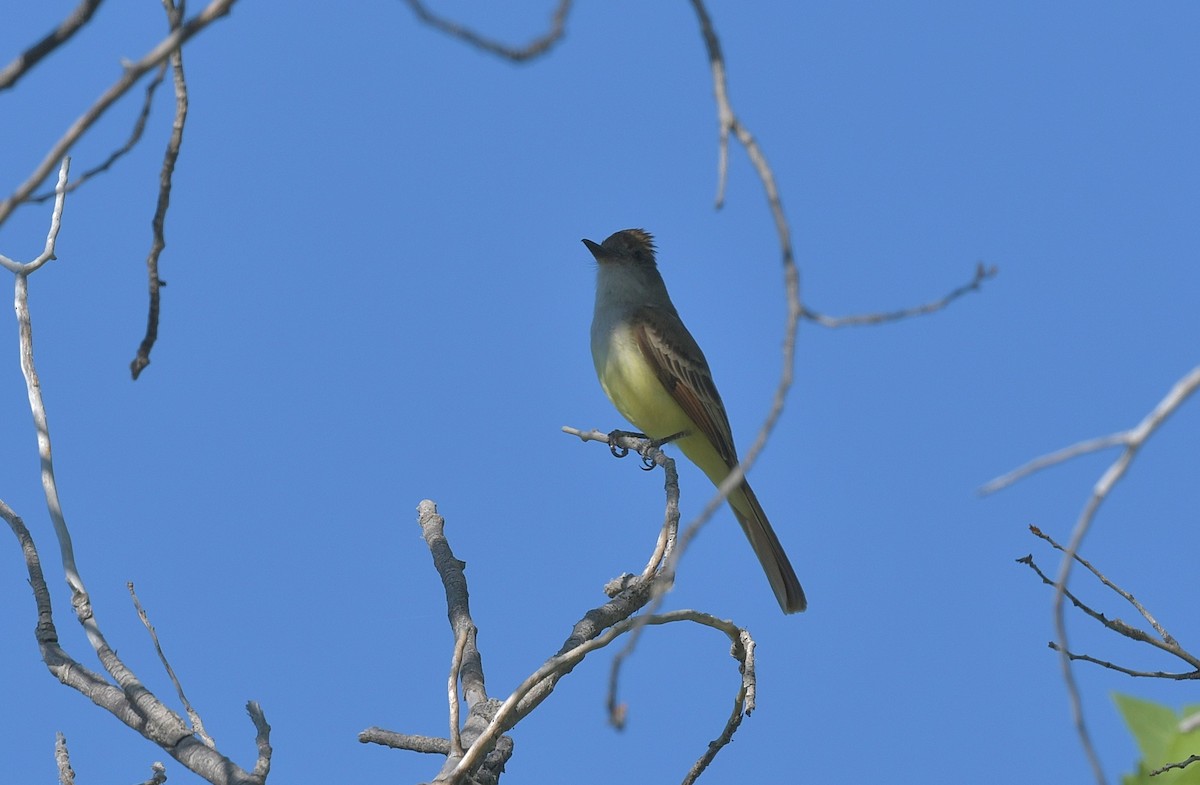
<point x="618" y="450"/>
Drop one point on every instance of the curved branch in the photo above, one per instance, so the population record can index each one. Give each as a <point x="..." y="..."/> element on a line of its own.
<point x="47" y="254"/>
<point x="981" y="274"/>
<point x="728" y="122"/>
<point x="508" y="713"/>
<point x="1132" y="440"/>
<point x="482" y="739"/>
<point x="535" y="48"/>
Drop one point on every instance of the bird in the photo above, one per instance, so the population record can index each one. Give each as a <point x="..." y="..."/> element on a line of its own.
<point x="655" y="374"/>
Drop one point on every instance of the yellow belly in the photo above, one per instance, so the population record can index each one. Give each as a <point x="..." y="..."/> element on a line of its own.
<point x="633" y="386"/>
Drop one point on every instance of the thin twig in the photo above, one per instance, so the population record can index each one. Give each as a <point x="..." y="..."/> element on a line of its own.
<point x="193" y="715"/>
<point x="1059" y="456"/>
<point x="1171" y="645"/>
<point x="535" y="48"/>
<point x="657" y="576"/>
<point x="645" y="447"/>
<point x="1166" y="642"/>
<point x="1183" y="764"/>
<point x="728" y="122"/>
<point x="743" y="704"/>
<point x="1115" y="625"/>
<point x="130" y="76"/>
<point x="142" y="358"/>
<point x="1133" y="437"/>
<point x="1189" y="676"/>
<point x="33" y="389"/>
<point x="135" y="136"/>
<point x="1137" y="437"/>
<point x="1132" y="440"/>
<point x="47" y="254"/>
<point x="981" y="274"/>
<point x="25" y="61"/>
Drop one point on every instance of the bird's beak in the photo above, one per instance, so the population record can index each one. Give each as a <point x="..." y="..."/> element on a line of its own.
<point x="594" y="248"/>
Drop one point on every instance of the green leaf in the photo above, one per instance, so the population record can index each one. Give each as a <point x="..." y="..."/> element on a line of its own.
<point x="1155" y="727"/>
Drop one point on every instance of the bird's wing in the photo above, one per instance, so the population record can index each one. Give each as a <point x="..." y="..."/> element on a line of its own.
<point x="683" y="371"/>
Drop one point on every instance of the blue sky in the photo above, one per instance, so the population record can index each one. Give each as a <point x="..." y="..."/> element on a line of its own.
<point x="377" y="295"/>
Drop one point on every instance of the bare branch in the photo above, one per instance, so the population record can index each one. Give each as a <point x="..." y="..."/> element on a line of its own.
<point x="49" y="486"/>
<point x="62" y="757"/>
<point x="262" y="742"/>
<point x="1166" y="642"/>
<point x="743" y="702"/>
<point x="137" y="709"/>
<point x="981" y="274"/>
<point x="132" y="73"/>
<point x="47" y="253"/>
<point x="1189" y="676"/>
<point x="1132" y="440"/>
<point x="135" y="135"/>
<point x="142" y="358"/>
<point x="1045" y="461"/>
<point x="157" y="721"/>
<point x="535" y="48"/>
<point x="483" y="742"/>
<point x="467" y="663"/>
<point x="54" y="39"/>
<point x="728" y="122"/>
<point x="91" y="684"/>
<point x="1171" y="645"/>
<point x="1183" y="764"/>
<point x="405" y="741"/>
<point x="457" y="599"/>
<point x="129" y="700"/>
<point x="651" y="456"/>
<point x="193" y="715"/>
<point x="659" y="572"/>
<point x="509" y="714"/>
<point x="1137" y="437"/>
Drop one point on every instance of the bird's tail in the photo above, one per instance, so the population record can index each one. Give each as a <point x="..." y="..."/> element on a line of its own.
<point x="767" y="548"/>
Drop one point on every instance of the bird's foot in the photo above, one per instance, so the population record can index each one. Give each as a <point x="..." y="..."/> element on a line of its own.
<point x="620" y="451"/>
<point x="649" y="463"/>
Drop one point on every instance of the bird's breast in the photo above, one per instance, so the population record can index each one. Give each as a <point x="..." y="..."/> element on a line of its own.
<point x="632" y="382"/>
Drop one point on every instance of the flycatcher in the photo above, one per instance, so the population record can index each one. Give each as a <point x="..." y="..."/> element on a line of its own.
<point x="655" y="374"/>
